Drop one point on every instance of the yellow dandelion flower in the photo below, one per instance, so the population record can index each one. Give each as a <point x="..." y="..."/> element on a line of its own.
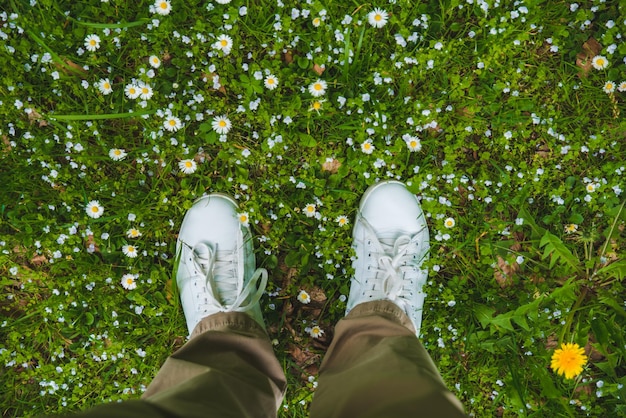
<point x="568" y="360"/>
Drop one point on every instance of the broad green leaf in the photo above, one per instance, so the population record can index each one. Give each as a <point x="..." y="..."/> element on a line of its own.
<point x="484" y="314"/>
<point x="558" y="252"/>
<point x="616" y="269"/>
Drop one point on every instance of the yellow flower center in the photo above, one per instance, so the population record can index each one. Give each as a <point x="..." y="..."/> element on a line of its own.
<point x="144" y="90"/>
<point x="600" y="62"/>
<point x="413" y="144"/>
<point x="117" y="152"/>
<point x="222" y="124"/>
<point x="129" y="281"/>
<point x="188" y="164"/>
<point x="317" y="105"/>
<point x="163" y="5"/>
<point x="172" y="122"/>
<point x="94" y="209"/>
<point x="367" y="145"/>
<point x="107" y="86"/>
<point x="378" y="17"/>
<point x="270" y="81"/>
<point x="92" y="42"/>
<point x="243" y="218"/>
<point x="224" y="42"/>
<point x="132" y="91"/>
<point x="317" y="86"/>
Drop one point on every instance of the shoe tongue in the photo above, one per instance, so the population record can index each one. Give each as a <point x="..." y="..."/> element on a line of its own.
<point x="388" y="237"/>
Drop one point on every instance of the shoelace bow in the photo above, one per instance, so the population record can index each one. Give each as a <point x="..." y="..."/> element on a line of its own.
<point x="218" y="271"/>
<point x="395" y="268"/>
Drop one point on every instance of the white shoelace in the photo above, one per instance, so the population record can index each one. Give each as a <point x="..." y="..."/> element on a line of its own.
<point x="216" y="270"/>
<point x="396" y="268"/>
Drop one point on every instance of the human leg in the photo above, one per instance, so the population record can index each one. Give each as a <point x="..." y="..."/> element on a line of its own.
<point x="227" y="368"/>
<point x="376" y="365"/>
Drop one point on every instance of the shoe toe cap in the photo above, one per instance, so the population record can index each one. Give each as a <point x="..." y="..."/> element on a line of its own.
<point x="212" y="218"/>
<point x="389" y="206"/>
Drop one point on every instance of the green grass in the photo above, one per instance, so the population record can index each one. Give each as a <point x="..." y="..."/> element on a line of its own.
<point x="518" y="141"/>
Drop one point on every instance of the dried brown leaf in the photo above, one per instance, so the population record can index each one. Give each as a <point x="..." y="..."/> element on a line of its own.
<point x="593" y="354"/>
<point x="318" y="70"/>
<point x="590" y="49"/>
<point x="35" y="116"/>
<point x="318" y="297"/>
<point x="90" y="241"/>
<point x="331" y="166"/>
<point x="303" y="358"/>
<point x="504" y="273"/>
<point x="551" y="342"/>
<point x="38" y="260"/>
<point x="71" y="68"/>
<point x="288" y="57"/>
<point x="7" y="144"/>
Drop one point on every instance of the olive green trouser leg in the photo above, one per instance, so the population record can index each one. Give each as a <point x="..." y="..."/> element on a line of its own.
<point x="376" y="367"/>
<point x="227" y="369"/>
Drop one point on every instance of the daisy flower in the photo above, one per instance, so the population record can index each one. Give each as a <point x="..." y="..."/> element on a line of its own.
<point x="377" y="17"/>
<point x="222" y="1"/>
<point x="271" y="82"/>
<point x="317" y="21"/>
<point x="154" y="61"/>
<point x="145" y="91"/>
<point x="129" y="281"/>
<point x="571" y="228"/>
<point x="304" y="297"/>
<point x="244" y="219"/>
<point x="117" y="154"/>
<point x="132" y="91"/>
<point x="413" y="143"/>
<point x="130" y="251"/>
<point x="609" y="87"/>
<point x="92" y="42"/>
<point x="367" y="147"/>
<point x="162" y="7"/>
<point x="449" y="223"/>
<point x="133" y="233"/>
<point x="568" y="360"/>
<point x="221" y="125"/>
<point x="172" y="123"/>
<point x="599" y="62"/>
<point x="318" y="88"/>
<point x="187" y="166"/>
<point x="342" y="220"/>
<point x="316" y="331"/>
<point x="224" y="43"/>
<point x="309" y="210"/>
<point x="591" y="187"/>
<point x="94" y="209"/>
<point x="316" y="106"/>
<point x="622" y="86"/>
<point x="104" y="85"/>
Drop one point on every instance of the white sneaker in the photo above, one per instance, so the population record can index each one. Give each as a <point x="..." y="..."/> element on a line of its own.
<point x="216" y="266"/>
<point x="391" y="242"/>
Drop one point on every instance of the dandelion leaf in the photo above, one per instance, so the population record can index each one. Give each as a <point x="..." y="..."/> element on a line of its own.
<point x="557" y="252"/>
<point x="616" y="270"/>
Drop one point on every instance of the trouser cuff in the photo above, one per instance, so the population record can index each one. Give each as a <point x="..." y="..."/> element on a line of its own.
<point x="385" y="308"/>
